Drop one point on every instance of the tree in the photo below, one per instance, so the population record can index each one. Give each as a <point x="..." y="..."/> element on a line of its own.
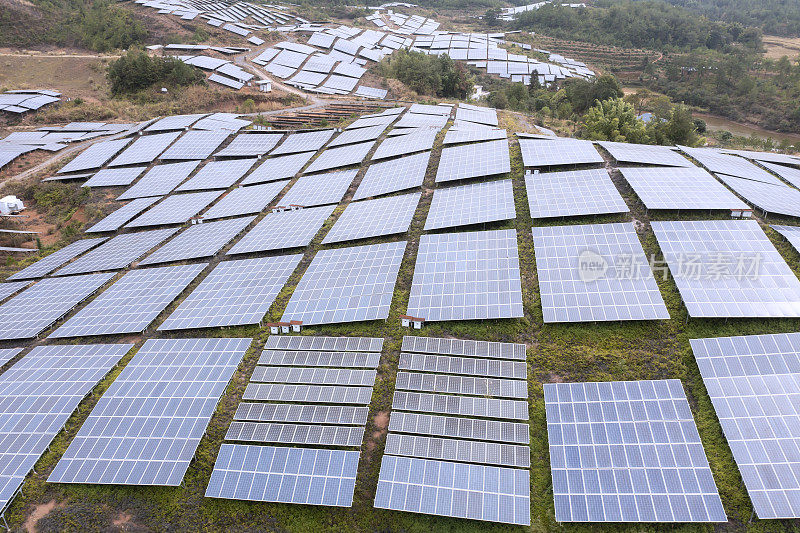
<point x="492" y="17"/>
<point x="136" y="70"/>
<point x="615" y="120"/>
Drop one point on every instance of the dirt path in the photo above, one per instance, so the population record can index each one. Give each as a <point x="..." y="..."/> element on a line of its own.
<point x="60" y="56"/>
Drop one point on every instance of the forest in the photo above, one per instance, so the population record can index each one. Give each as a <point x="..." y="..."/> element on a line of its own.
<point x="774" y="17"/>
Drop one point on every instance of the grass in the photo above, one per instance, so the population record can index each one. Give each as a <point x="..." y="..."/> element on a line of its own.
<point x="556" y="352"/>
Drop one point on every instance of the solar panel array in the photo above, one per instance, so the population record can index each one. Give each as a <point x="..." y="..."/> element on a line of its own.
<point x="779" y="199"/>
<point x="39" y="393"/>
<point x="374" y="218"/>
<point x="218" y="175"/>
<point x="474" y="161"/>
<point x="117" y="253"/>
<point x="148" y="424"/>
<point x="451" y="465"/>
<point x="391" y="176"/>
<point x="405" y="144"/>
<point x="467" y="276"/>
<point x="791" y="233"/>
<point x="115" y="220"/>
<point x="627" y="452"/>
<point x="286" y="229"/>
<point x="319" y="189"/>
<point x="357" y="135"/>
<point x="131" y="303"/>
<point x="175" y="209"/>
<point x="290" y="474"/>
<point x="145" y="149"/>
<point x="114" y="177"/>
<point x="475" y="203"/>
<point x="278" y="168"/>
<point x="234" y="293"/>
<point x="306" y="141"/>
<point x="790" y="174"/>
<point x="160" y="180"/>
<point x="645" y="154"/>
<point x="245" y="200"/>
<point x="196" y="144"/>
<point x="250" y="144"/>
<point x="753" y="382"/>
<point x="550" y="153"/>
<point x="342" y="156"/>
<point x="728" y="268"/>
<point x="595" y="272"/>
<point x="47" y="264"/>
<point x="465" y="135"/>
<point x="731" y="165"/>
<point x="573" y="193"/>
<point x="198" y="241"/>
<point x="680" y="188"/>
<point x="95" y="156"/>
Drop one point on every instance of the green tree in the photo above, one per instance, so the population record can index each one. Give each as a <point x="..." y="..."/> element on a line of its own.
<point x="615" y="120"/>
<point x="136" y="70"/>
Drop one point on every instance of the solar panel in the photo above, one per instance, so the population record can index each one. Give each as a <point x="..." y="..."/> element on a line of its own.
<point x="196" y="144"/>
<point x="572" y="193"/>
<point x="287" y="229"/>
<point x="780" y="199"/>
<point x="148" y="424"/>
<point x="303" y="358"/>
<point x="392" y="176"/>
<point x="131" y="303"/>
<point x="7" y="354"/>
<point x="790" y="174"/>
<point x="474" y="203"/>
<point x="250" y="144"/>
<point x="479" y="492"/>
<point x="478" y="115"/>
<point x="37" y="308"/>
<point x="218" y="175"/>
<point x="308" y="393"/>
<point x="460" y="405"/>
<point x="340" y="84"/>
<point x="405" y="144"/>
<point x="281" y="474"/>
<point x="495" y="350"/>
<point x="595" y="272"/>
<point x="791" y="233"/>
<point x="115" y="220"/>
<point x="428" y="109"/>
<point x="145" y="149"/>
<point x="304" y="141"/>
<point x="458" y="136"/>
<point x="343" y="156"/>
<point x="278" y="168"/>
<point x="367" y="122"/>
<point x="175" y="122"/>
<point x="680" y="188"/>
<point x="447" y="364"/>
<point x="503" y="388"/>
<point x="314" y="376"/>
<point x="117" y="253"/>
<point x="175" y="209"/>
<point x="627" y="452"/>
<point x="95" y="156"/>
<point x="246" y="200"/>
<point x="47" y="264"/>
<point x="114" y="177"/>
<point x="160" y="180"/>
<point x="347" y="285"/>
<point x="374" y="218"/>
<point x="290" y="412"/>
<point x="296" y="434"/>
<point x="335" y="344"/>
<point x="40" y="392"/>
<point x="766" y="157"/>
<point x="319" y="189"/>
<point x="752" y="381"/>
<point x="474" y="161"/>
<point x="234" y="293"/>
<point x="198" y="241"/>
<point x="468" y="451"/>
<point x="645" y="154"/>
<point x="467" y="276"/>
<point x="462" y="428"/>
<point x="728" y="268"/>
<point x="730" y="165"/>
<point x="548" y="153"/>
<point x="358" y="135"/>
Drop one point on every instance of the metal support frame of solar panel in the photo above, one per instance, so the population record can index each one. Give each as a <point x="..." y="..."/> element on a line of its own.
<point x="250" y="145"/>
<point x="405" y="144"/>
<point x="320" y="359"/>
<point x="175" y="209"/>
<point x="463" y="451"/>
<point x="278" y="168"/>
<point x="357" y="135"/>
<point x="790" y="174"/>
<point x="441" y="289"/>
<point x="778" y="199"/>
<point x="342" y="156"/>
<point x="246" y="200"/>
<point x="47" y="264"/>
<point x="474" y="203"/>
<point x="595" y="272"/>
<point x="235" y="293"/>
<point x="549" y="153"/>
<point x="730" y="165"/>
<point x="391" y="176"/>
<point x="171" y="387"/>
<point x="40" y="392"/>
<point x="713" y="288"/>
<point x="645" y="154"/>
<point x="308" y="414"/>
<point x="374" y="218"/>
<point x="467" y="385"/>
<point x="327" y="344"/>
<point x="679" y="188"/>
<point x="131" y="303"/>
<point x="160" y="180"/>
<point x="347" y="285"/>
<point x="319" y="189"/>
<point x="117" y="253"/>
<point x="627" y="452"/>
<point x="113" y="221"/>
<point x="286" y="229"/>
<point x="304" y="141"/>
<point x="296" y="475"/>
<point x="573" y="193"/>
<point x="474" y="161"/>
<point x="145" y="149"/>
<point x="198" y="241"/>
<point x="458" y="136"/>
<point x="218" y="175"/>
<point x="753" y="382"/>
<point x="95" y="156"/>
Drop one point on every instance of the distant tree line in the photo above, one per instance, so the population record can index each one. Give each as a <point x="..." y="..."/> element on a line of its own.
<point x="774" y="17"/>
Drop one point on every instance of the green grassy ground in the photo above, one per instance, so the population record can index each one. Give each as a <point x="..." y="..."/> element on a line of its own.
<point x="556" y="352"/>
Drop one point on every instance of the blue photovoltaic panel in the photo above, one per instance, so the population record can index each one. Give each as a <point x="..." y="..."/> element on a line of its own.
<point x="319" y="189"/>
<point x="246" y="200"/>
<point x="547" y="153"/>
<point x="115" y="220"/>
<point x="405" y="144"/>
<point x="147" y="425"/>
<point x="627" y="452"/>
<point x="730" y="165"/>
<point x="286" y="229"/>
<point x="680" y="188"/>
<point x="374" y="218"/>
<point x="131" y="303"/>
<point x="753" y="382"/>
<point x="474" y="161"/>
<point x="47" y="264"/>
<point x="342" y="156"/>
<point x="645" y="154"/>
<point x="278" y="168"/>
<point x="234" y="293"/>
<point x="218" y="175"/>
<point x="7" y="354"/>
<point x="444" y="488"/>
<point x="117" y="253"/>
<point x="392" y="176"/>
<point x="281" y="474"/>
<point x="196" y="144"/>
<point x="37" y="308"/>
<point x="200" y="240"/>
<point x="304" y="141"/>
<point x="145" y="149"/>
<point x="474" y="203"/>
<point x="160" y="180"/>
<point x="175" y="122"/>
<point x="778" y="199"/>
<point x="175" y="209"/>
<point x="114" y="177"/>
<point x="573" y="193"/>
<point x="250" y="144"/>
<point x="95" y="156"/>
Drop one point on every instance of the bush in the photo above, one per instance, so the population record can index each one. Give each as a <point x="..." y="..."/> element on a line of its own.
<point x="428" y="75"/>
<point x="136" y="71"/>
